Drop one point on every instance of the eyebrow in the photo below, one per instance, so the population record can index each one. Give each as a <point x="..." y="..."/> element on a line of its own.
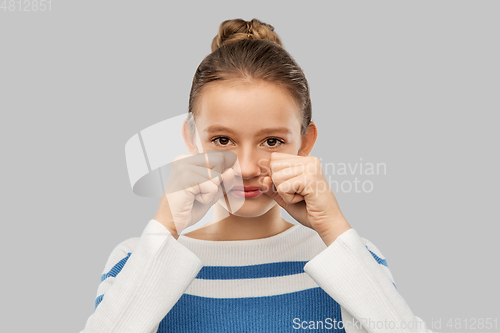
<point x="217" y="128"/>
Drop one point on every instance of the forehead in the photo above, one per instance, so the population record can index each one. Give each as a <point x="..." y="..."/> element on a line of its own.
<point x="246" y="106"/>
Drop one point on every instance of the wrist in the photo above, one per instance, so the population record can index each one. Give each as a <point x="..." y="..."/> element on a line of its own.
<point x="168" y="224"/>
<point x="334" y="229"/>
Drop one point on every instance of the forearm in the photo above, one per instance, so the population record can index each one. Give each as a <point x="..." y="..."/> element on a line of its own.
<point x="349" y="274"/>
<point x="150" y="283"/>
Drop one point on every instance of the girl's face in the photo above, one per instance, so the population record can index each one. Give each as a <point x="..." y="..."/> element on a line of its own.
<point x="251" y="120"/>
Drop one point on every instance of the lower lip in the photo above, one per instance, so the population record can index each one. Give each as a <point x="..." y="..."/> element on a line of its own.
<point x="246" y="194"/>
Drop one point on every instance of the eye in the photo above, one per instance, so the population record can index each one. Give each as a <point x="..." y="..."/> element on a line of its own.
<point x="274" y="142"/>
<point x="223" y="140"/>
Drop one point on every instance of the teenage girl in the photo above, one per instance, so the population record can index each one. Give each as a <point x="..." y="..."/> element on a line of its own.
<point x="249" y="133"/>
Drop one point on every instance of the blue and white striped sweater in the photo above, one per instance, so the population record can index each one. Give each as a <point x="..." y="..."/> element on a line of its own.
<point x="283" y="308"/>
<point x="276" y="284"/>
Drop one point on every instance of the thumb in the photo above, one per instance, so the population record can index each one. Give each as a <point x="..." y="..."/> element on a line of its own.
<point x="270" y="190"/>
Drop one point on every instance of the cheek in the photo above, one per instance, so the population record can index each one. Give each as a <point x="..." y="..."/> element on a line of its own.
<point x="207" y="145"/>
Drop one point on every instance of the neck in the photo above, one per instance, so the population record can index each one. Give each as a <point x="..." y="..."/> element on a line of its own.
<point x="234" y="227"/>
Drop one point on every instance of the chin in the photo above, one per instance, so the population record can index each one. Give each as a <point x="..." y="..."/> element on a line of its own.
<point x="250" y="207"/>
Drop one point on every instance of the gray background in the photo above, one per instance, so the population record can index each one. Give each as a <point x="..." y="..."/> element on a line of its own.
<point x="414" y="85"/>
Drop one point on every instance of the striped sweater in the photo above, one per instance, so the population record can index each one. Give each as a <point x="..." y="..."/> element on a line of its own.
<point x="284" y="283"/>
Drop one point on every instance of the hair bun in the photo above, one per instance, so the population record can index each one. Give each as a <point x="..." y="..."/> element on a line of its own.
<point x="237" y="29"/>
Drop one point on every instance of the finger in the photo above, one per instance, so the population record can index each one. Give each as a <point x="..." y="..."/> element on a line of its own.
<point x="228" y="180"/>
<point x="212" y="158"/>
<point x="180" y="157"/>
<point x="279" y="164"/>
<point x="190" y="175"/>
<point x="270" y="190"/>
<point x="206" y="191"/>
<point x="291" y="189"/>
<point x="191" y="178"/>
<point x="207" y="174"/>
<point x="287" y="173"/>
<point x="230" y="159"/>
<point x="215" y="160"/>
<point x="220" y="161"/>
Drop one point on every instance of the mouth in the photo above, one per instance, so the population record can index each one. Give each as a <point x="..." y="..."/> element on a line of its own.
<point x="246" y="191"/>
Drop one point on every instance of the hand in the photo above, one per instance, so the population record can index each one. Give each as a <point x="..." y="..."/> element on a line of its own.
<point x="298" y="184"/>
<point x="194" y="185"/>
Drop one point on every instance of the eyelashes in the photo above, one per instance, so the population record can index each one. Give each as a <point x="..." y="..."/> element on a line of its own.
<point x="278" y="141"/>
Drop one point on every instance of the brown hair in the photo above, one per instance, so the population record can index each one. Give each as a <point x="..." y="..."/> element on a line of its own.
<point x="248" y="50"/>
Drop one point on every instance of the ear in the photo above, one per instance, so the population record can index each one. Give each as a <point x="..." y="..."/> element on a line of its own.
<point x="189" y="136"/>
<point x="308" y="139"/>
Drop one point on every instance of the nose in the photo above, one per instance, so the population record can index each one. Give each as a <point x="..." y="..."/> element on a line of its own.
<point x="253" y="163"/>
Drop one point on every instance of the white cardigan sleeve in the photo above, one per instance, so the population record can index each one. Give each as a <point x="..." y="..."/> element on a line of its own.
<point x="140" y="285"/>
<point x="355" y="274"/>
